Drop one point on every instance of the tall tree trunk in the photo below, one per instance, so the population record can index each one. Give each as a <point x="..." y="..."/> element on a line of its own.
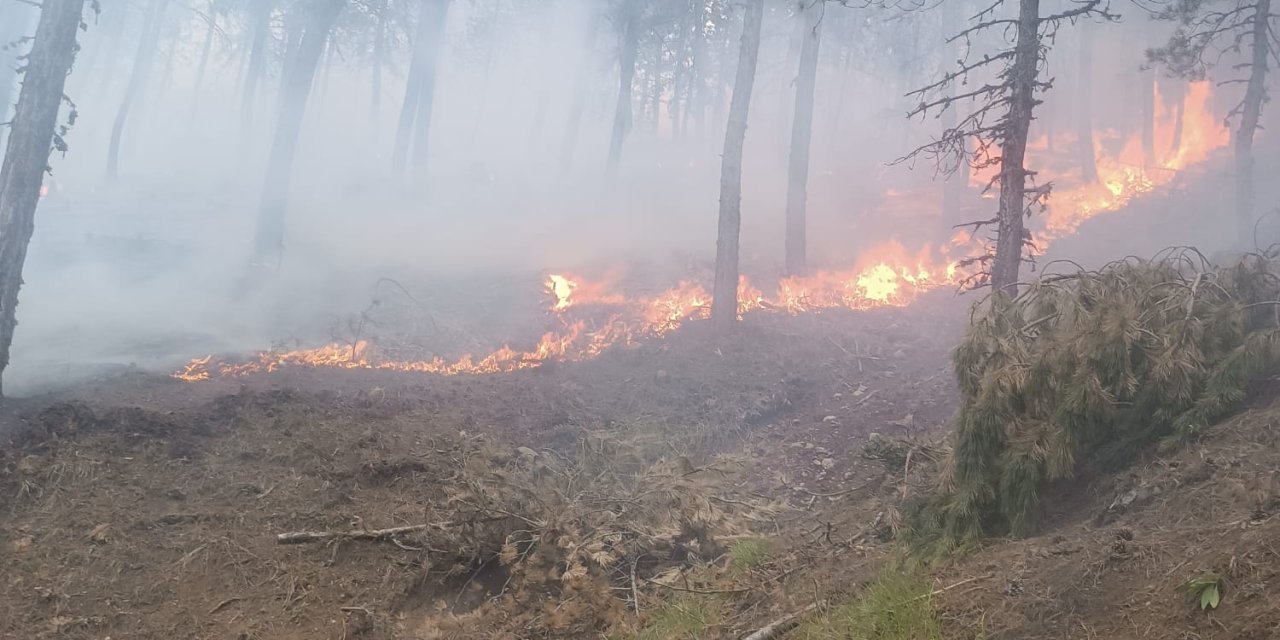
<point x="811" y="14"/>
<point x="415" y="114"/>
<point x="259" y="32"/>
<point x="1250" y="111"/>
<point x="15" y="19"/>
<point x="1085" y="150"/>
<point x="212" y="19"/>
<point x="695" y="98"/>
<point x="1147" y="86"/>
<point x="655" y="95"/>
<point x="379" y="53"/>
<point x="724" y="300"/>
<point x="1011" y="233"/>
<point x="113" y="20"/>
<point x="138" y="78"/>
<point x="1179" y="97"/>
<point x="26" y="157"/>
<point x="790" y="75"/>
<point x="574" y="124"/>
<point x="293" y="105"/>
<point x="622" y="117"/>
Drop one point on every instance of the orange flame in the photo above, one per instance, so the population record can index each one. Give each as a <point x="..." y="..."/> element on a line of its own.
<point x="887" y="275"/>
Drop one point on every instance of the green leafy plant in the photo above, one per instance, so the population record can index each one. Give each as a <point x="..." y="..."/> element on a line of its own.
<point x="1205" y="588"/>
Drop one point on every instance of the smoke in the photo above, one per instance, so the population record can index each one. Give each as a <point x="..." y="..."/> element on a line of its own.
<point x="154" y="267"/>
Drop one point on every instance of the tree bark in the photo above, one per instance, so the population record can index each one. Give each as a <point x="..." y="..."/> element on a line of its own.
<point x="622" y="118"/>
<point x="379" y="53"/>
<point x="260" y="31"/>
<point x="574" y="124"/>
<point x="293" y="104"/>
<point x="1250" y="111"/>
<point x="204" y="58"/>
<point x="415" y="113"/>
<point x="1011" y="233"/>
<point x="1147" y="85"/>
<point x="1085" y="149"/>
<point x="724" y="301"/>
<point x="1179" y="98"/>
<point x="138" y="78"/>
<point x="26" y="157"/>
<point x="811" y="14"/>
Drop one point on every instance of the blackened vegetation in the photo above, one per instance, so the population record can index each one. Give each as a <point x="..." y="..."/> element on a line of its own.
<point x="994" y="132"/>
<point x="1088" y="369"/>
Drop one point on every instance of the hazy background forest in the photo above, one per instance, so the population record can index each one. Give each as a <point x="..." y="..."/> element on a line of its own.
<point x="155" y="264"/>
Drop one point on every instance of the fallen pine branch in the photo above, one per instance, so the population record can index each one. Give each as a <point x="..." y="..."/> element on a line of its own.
<point x="780" y="626"/>
<point x="304" y="537"/>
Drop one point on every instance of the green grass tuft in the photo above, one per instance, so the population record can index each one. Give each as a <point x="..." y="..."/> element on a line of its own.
<point x="894" y="607"/>
<point x="750" y="553"/>
<point x="684" y="618"/>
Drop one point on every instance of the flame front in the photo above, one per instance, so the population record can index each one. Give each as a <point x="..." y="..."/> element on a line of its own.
<point x="886" y="275"/>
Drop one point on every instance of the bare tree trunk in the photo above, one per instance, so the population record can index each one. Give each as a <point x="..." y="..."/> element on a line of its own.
<point x="212" y="19"/>
<point x="293" y="105"/>
<point x="379" y="53"/>
<point x="724" y="300"/>
<point x="574" y="124"/>
<point x="26" y="157"/>
<point x="1147" y="85"/>
<point x="1250" y="111"/>
<point x="695" y="99"/>
<point x="415" y="114"/>
<point x="811" y="14"/>
<point x="655" y="96"/>
<point x="259" y="32"/>
<point x="622" y="118"/>
<point x="789" y="73"/>
<point x="1011" y="234"/>
<point x="1085" y="150"/>
<point x="113" y="20"/>
<point x="1179" y="97"/>
<point x="142" y="63"/>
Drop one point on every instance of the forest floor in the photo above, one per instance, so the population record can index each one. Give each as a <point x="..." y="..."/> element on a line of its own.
<point x="683" y="487"/>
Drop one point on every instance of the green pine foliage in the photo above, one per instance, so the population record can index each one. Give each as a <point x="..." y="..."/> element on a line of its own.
<point x="1092" y="367"/>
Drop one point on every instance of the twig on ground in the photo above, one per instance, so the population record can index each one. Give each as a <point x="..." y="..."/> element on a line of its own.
<point x="223" y="605"/>
<point x="948" y="588"/>
<point x="701" y="592"/>
<point x="635" y="593"/>
<point x="303" y="537"/>
<point x="780" y="626"/>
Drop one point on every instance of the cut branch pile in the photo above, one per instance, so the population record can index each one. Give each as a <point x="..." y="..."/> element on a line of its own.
<point x="1091" y="367"/>
<point x="583" y="530"/>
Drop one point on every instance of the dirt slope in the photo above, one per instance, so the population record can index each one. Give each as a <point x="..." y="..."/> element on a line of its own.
<point x="1117" y="548"/>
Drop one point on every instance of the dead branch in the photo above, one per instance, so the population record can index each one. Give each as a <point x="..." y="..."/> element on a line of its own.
<point x="305" y="537"/>
<point x="782" y="625"/>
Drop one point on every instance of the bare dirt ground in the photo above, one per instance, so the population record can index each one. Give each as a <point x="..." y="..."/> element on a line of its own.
<point x="139" y="506"/>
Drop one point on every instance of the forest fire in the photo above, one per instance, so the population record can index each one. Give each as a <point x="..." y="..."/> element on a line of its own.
<point x="1128" y="174"/>
<point x="887" y="275"/>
